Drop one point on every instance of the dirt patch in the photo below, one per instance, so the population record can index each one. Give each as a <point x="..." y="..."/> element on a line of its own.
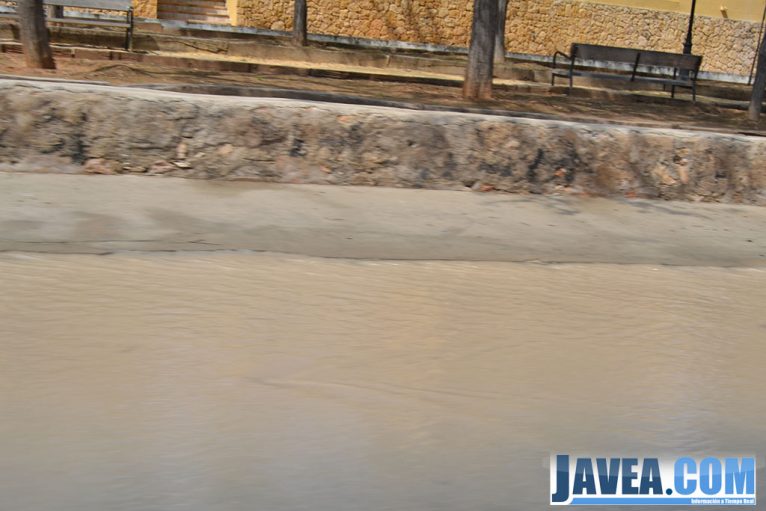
<point x="640" y="109"/>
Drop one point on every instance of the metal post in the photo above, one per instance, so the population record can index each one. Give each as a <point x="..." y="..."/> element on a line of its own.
<point x="757" y="45"/>
<point x="688" y="42"/>
<point x="759" y="85"/>
<point x="502" y="10"/>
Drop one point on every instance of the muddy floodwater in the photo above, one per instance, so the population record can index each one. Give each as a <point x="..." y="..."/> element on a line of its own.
<point x="237" y="381"/>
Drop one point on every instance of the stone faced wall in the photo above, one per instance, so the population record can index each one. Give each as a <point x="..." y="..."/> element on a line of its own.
<point x="87" y="128"/>
<point x="434" y="21"/>
<point x="542" y="26"/>
<point x="145" y="8"/>
<point x="534" y="26"/>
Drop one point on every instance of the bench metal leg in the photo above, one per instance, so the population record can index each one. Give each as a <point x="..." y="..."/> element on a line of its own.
<point x="672" y="92"/>
<point x="129" y="32"/>
<point x="54" y="11"/>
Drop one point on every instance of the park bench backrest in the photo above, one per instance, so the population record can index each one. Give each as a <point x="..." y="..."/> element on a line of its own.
<point x="608" y="53"/>
<point x="671" y="60"/>
<point x="629" y="56"/>
<point x="107" y="5"/>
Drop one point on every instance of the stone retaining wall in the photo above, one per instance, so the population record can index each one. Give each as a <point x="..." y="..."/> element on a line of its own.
<point x="82" y="128"/>
<point x="534" y="26"/>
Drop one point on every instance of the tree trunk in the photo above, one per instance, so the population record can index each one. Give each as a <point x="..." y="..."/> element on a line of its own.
<point x="478" y="73"/>
<point x="34" y="34"/>
<point x="300" y="24"/>
<point x="502" y="10"/>
<point x="759" y="84"/>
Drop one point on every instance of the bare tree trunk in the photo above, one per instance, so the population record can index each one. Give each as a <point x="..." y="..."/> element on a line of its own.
<point x="502" y="10"/>
<point x="478" y="73"/>
<point x="759" y="85"/>
<point x="300" y="24"/>
<point x="34" y="34"/>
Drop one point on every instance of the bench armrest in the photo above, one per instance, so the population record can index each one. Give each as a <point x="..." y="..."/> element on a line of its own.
<point x="556" y="54"/>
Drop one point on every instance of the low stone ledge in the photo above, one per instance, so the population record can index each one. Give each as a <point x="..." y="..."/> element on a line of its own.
<point x="83" y="128"/>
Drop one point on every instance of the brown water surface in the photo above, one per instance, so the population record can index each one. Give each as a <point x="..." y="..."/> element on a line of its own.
<point x="236" y="381"/>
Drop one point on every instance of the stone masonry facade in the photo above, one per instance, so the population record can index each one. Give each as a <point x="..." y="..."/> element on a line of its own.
<point x="145" y="8"/>
<point x="534" y="26"/>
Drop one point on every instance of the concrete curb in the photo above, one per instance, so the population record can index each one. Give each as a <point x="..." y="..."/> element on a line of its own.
<point x="232" y="66"/>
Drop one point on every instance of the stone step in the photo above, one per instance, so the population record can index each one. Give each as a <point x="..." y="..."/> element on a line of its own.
<point x="185" y="9"/>
<point x="214" y="4"/>
<point x="195" y="18"/>
<point x="197" y="11"/>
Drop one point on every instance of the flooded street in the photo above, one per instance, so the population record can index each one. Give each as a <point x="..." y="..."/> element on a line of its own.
<point x="180" y="345"/>
<point x="236" y="380"/>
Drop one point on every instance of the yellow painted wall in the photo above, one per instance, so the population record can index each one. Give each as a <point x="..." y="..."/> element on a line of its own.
<point x="750" y="10"/>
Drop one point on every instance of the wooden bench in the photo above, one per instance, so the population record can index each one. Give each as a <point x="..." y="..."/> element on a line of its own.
<point x="56" y="14"/>
<point x="665" y="68"/>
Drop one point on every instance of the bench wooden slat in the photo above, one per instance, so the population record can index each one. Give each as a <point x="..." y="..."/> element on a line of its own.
<point x="88" y="21"/>
<point x="666" y="81"/>
<point x="564" y="73"/>
<point x="671" y="60"/>
<point x="108" y="5"/>
<point x="627" y="77"/>
<point x="596" y="74"/>
<point x="599" y="52"/>
<point x="124" y="6"/>
<point x="629" y="56"/>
